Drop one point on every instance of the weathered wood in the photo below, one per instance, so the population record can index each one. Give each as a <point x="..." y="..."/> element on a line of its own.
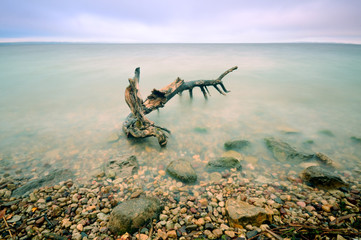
<point x="138" y="126"/>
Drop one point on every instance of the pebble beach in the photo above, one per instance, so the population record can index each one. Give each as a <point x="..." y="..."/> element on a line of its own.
<point x="295" y="210"/>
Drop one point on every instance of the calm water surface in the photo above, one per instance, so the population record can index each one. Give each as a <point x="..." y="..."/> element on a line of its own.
<point x="61" y="105"/>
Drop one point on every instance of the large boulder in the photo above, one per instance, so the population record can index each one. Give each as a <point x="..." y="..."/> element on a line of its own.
<point x="182" y="170"/>
<point x="322" y="178"/>
<point x="131" y="215"/>
<point x="50" y="179"/>
<point x="283" y="152"/>
<point x="121" y="167"/>
<point x="224" y="163"/>
<point x="241" y="213"/>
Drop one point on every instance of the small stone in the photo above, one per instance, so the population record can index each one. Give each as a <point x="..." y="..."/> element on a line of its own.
<point x="251" y="234"/>
<point x="161" y="234"/>
<point x="66" y="222"/>
<point x="169" y="225"/>
<point x="79" y="227"/>
<point x="162" y="172"/>
<point x="102" y="216"/>
<point x="105" y="210"/>
<point x="209" y="226"/>
<point x="203" y="202"/>
<point x="32" y="197"/>
<point x="40" y="221"/>
<point x="14" y="219"/>
<point x="200" y="222"/>
<point x="230" y="234"/>
<point x="326" y="207"/>
<point x="217" y="232"/>
<point x="191" y="227"/>
<point x="301" y="204"/>
<point x="310" y="208"/>
<point x="172" y="234"/>
<point x="142" y="237"/>
<point x="136" y="193"/>
<point x="75" y="198"/>
<point x="224" y="226"/>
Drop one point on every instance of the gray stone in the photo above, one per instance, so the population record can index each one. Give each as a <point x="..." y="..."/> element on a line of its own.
<point x="182" y="170"/>
<point x="322" y="178"/>
<point x="224" y="163"/>
<point x="236" y="145"/>
<point x="51" y="179"/>
<point x="131" y="215"/>
<point x="241" y="213"/>
<point x="283" y="152"/>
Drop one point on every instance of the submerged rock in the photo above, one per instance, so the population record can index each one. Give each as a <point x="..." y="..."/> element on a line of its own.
<point x="356" y="139"/>
<point x="325" y="160"/>
<point x="224" y="163"/>
<point x="132" y="215"/>
<point x="236" y="145"/>
<point x="121" y="167"/>
<point x="283" y="152"/>
<point x="182" y="170"/>
<point x="241" y="213"/>
<point x="322" y="178"/>
<point x="326" y="132"/>
<point x="52" y="178"/>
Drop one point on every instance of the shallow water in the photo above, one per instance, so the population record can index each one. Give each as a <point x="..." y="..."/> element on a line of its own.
<point x="62" y="105"/>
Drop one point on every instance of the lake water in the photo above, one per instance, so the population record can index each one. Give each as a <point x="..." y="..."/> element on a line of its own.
<point x="62" y="105"/>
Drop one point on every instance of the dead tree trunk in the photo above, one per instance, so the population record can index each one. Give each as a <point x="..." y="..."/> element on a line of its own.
<point x="138" y="126"/>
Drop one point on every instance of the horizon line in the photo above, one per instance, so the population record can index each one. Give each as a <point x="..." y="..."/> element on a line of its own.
<point x="114" y="42"/>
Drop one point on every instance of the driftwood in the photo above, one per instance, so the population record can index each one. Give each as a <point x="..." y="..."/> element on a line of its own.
<point x="138" y="126"/>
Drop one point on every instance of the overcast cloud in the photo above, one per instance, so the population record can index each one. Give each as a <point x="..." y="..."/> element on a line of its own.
<point x="143" y="21"/>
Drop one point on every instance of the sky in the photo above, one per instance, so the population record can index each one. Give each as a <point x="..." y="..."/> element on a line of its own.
<point x="181" y="21"/>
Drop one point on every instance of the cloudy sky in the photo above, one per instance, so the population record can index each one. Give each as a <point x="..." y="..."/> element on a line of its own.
<point x="205" y="21"/>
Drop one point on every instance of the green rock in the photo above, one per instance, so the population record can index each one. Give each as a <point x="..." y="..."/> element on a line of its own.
<point x="236" y="144"/>
<point x="326" y="132"/>
<point x="356" y="139"/>
<point x="283" y="152"/>
<point x="224" y="163"/>
<point x="133" y="214"/>
<point x="322" y="178"/>
<point x="182" y="170"/>
<point x="200" y="130"/>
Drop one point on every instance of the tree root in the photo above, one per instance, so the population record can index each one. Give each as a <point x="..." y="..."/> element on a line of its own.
<point x="138" y="126"/>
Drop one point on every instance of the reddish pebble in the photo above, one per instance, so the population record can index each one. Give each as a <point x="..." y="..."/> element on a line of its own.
<point x="193" y="210"/>
<point x="301" y="204"/>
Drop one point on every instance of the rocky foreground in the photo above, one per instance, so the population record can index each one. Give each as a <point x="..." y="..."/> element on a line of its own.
<point x="233" y="199"/>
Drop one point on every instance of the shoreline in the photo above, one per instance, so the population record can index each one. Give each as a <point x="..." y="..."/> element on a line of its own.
<point x="70" y="210"/>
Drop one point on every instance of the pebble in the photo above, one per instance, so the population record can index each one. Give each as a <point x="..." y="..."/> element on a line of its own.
<point x="172" y="234"/>
<point x="230" y="234"/>
<point x="217" y="232"/>
<point x="79" y="227"/>
<point x="301" y="204"/>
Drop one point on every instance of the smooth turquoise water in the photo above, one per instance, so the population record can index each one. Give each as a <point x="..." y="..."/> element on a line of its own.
<point x="61" y="104"/>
